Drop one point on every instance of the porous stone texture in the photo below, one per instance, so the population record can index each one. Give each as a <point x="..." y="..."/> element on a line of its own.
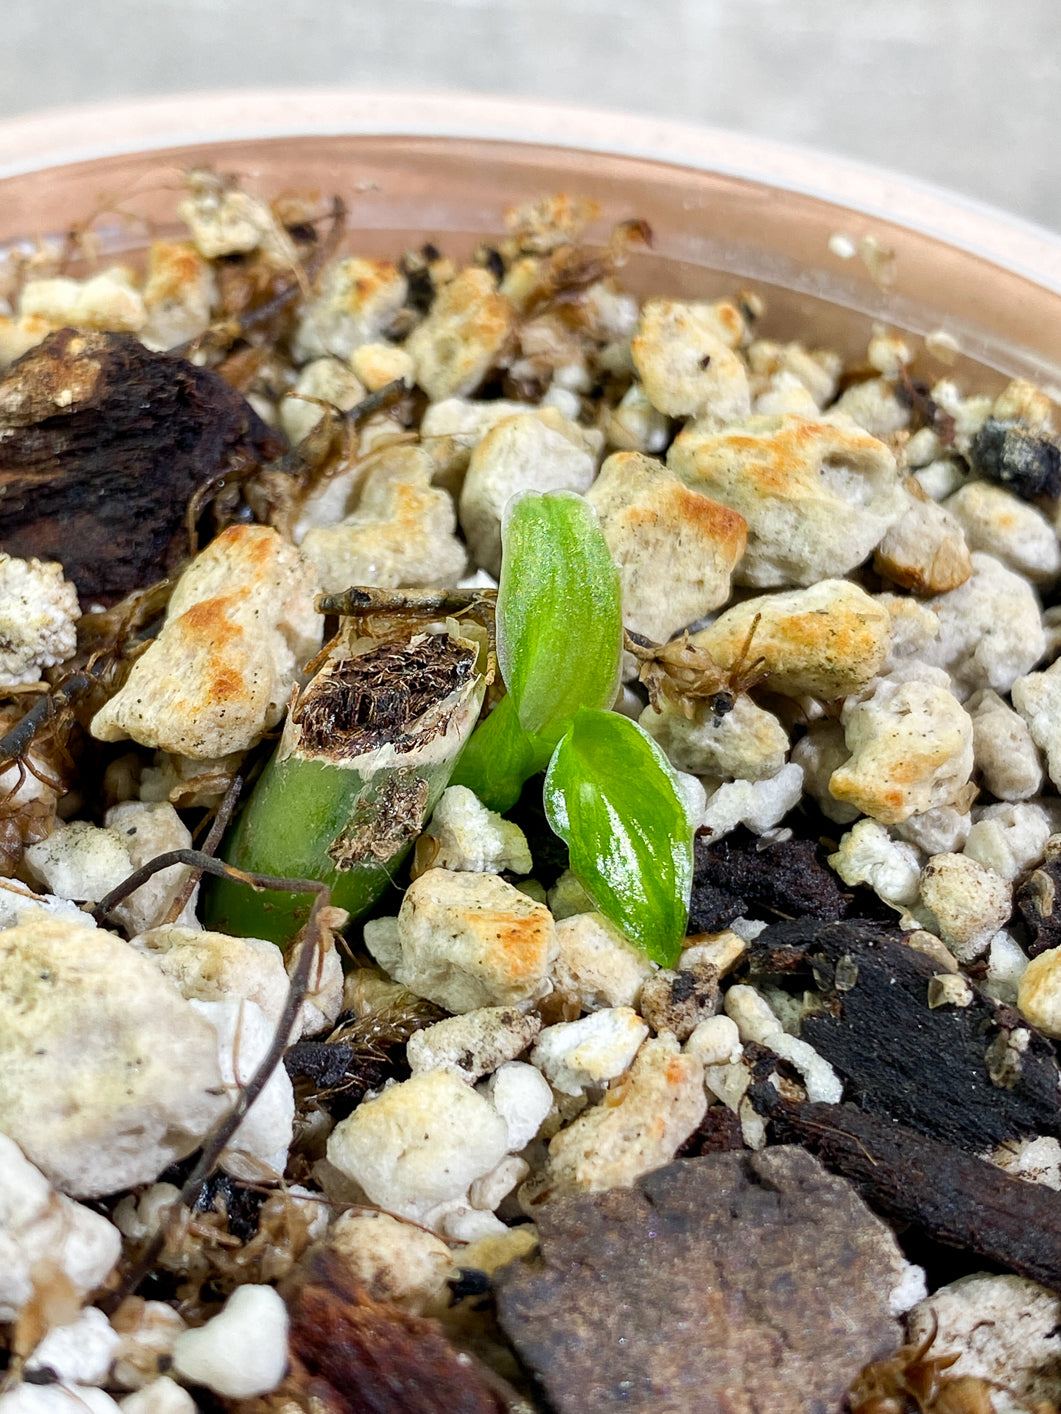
<point x="420" y="1144"/>
<point x="676" y="549"/>
<point x="1039" y="992"/>
<point x="990" y="629"/>
<point x="1002" y="1328"/>
<point x="214" y="967"/>
<point x="458" y="343"/>
<point x="684" y="356"/>
<point x="596" y="966"/>
<point x="637" y="1127"/>
<point x="474" y="1044"/>
<point x="925" y="550"/>
<point x="1004" y="750"/>
<point x="964" y="902"/>
<point x="396" y="1261"/>
<point x="42" y="1230"/>
<point x="817" y="495"/>
<point x="242" y="1351"/>
<point x="1001" y="524"/>
<point x="1037" y="698"/>
<point x="826" y="641"/>
<point x="470" y="837"/>
<point x="357" y="300"/>
<point x="747" y="743"/>
<point x="574" y="1055"/>
<point x="239" y="627"/>
<point x="732" y="1281"/>
<point x="467" y="941"/>
<point x="107" y="1075"/>
<point x="911" y="745"/>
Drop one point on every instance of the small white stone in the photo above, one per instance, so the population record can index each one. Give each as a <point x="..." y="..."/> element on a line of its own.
<point x="1010" y="838"/>
<point x="990" y="630"/>
<point x="57" y="1399"/>
<point x="756" y="1022"/>
<point x="397" y="1261"/>
<point x="1039" y="992"/>
<point x="577" y="1054"/>
<point x="490" y="1191"/>
<point x="1037" y="1160"/>
<point x="38" y="619"/>
<point x="1003" y="748"/>
<point x="259" y="1146"/>
<point x="758" y="804"/>
<point x="1037" y="697"/>
<point x="241" y="1352"/>
<point x="212" y="967"/>
<point x="964" y="903"/>
<point x="420" y="1143"/>
<point x="1006" y="965"/>
<point x="522" y="1097"/>
<point x="149" y="1331"/>
<point x="746" y="744"/>
<point x="1001" y="524"/>
<point x="868" y="855"/>
<point x="80" y="1353"/>
<point x="684" y="355"/>
<point x="161" y="1396"/>
<point x="471" y="837"/>
<point x="715" y="1041"/>
<point x="473" y="1044"/>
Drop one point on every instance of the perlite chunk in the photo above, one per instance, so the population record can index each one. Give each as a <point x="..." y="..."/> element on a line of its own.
<point x="239" y="628"/>
<point x="462" y="337"/>
<point x="676" y="549"/>
<point x="990" y="629"/>
<point x="818" y="495"/>
<point x="684" y="356"/>
<point x="38" y="619"/>
<point x="748" y="743"/>
<point x="357" y="301"/>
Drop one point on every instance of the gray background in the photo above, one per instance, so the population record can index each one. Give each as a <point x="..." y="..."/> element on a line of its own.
<point x="961" y="92"/>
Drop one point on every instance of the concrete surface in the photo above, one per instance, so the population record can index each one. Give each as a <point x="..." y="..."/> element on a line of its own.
<point x="960" y="92"/>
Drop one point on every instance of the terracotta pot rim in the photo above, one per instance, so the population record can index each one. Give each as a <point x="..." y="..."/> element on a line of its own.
<point x="57" y="137"/>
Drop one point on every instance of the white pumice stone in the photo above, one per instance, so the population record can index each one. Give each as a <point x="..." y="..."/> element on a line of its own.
<point x="638" y="1127"/>
<point x="38" y="1226"/>
<point x="467" y="941"/>
<point x="567" y="897"/>
<point x="107" y="1075"/>
<point x="522" y="1097"/>
<point x="19" y="904"/>
<point x="469" y="836"/>
<point x="1004" y="1329"/>
<point x="327" y="379"/>
<point x="1010" y="838"/>
<point x="259" y="1146"/>
<point x="715" y="1041"/>
<point x="1004" y="750"/>
<point x="56" y="1399"/>
<point x="239" y="627"/>
<point x="489" y="1192"/>
<point x="1036" y="1160"/>
<point x="675" y="548"/>
<point x="911" y="745"/>
<point x="38" y="619"/>
<point x="748" y="743"/>
<point x="420" y="1143"/>
<point x="596" y="965"/>
<point x="818" y="494"/>
<point x="911" y="1288"/>
<point x="474" y="1044"/>
<point x="819" y="753"/>
<point x="574" y="1055"/>
<point x="357" y="300"/>
<point x="1039" y="992"/>
<point x="324" y="990"/>
<point x="1037" y="698"/>
<point x="826" y="641"/>
<point x="161" y="1396"/>
<point x="80" y="1353"/>
<point x="925" y="550"/>
<point x="523" y="453"/>
<point x="756" y="1022"/>
<point x="242" y="1351"/>
<point x="941" y="477"/>
<point x="458" y="343"/>
<point x="179" y="293"/>
<point x="213" y="967"/>
<point x="942" y="830"/>
<point x="891" y="868"/>
<point x="758" y="804"/>
<point x="913" y="628"/>
<point x="397" y="1261"/>
<point x="990" y="629"/>
<point x="634" y="425"/>
<point x="1001" y="524"/>
<point x="683" y="353"/>
<point x="815" y="370"/>
<point x="874" y="405"/>
<point x="107" y="300"/>
<point x="1006" y="964"/>
<point x="964" y="903"/>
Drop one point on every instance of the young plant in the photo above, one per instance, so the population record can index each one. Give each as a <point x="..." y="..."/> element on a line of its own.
<point x="610" y="793"/>
<point x="366" y="752"/>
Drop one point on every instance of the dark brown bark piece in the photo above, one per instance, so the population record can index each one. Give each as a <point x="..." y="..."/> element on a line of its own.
<point x="1038" y="901"/>
<point x="970" y="1076"/>
<point x="103" y="444"/>
<point x="728" y="1284"/>
<point x="354" y="1355"/>
<point x="740" y="873"/>
<point x="954" y="1197"/>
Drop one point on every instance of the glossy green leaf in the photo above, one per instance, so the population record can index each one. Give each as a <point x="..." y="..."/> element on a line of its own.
<point x="559" y="611"/>
<point x="611" y="796"/>
<point x="500" y="757"/>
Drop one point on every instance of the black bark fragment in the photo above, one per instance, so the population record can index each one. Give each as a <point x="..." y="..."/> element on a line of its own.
<point x="1038" y="901"/>
<point x="1011" y="454"/>
<point x="954" y="1197"/>
<point x="102" y="446"/>
<point x="742" y="873"/>
<point x="970" y="1076"/>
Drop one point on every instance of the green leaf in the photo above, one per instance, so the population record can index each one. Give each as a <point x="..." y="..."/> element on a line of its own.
<point x="611" y="796"/>
<point x="500" y="757"/>
<point x="559" y="611"/>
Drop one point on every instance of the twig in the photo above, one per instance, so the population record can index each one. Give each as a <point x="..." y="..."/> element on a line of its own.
<point x="209" y="846"/>
<point x="418" y="603"/>
<point x="15" y="742"/>
<point x="217" y="1139"/>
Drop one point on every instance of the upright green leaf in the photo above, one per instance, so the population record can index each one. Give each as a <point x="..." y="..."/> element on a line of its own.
<point x="611" y="796"/>
<point x="500" y="757"/>
<point x="559" y="611"/>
